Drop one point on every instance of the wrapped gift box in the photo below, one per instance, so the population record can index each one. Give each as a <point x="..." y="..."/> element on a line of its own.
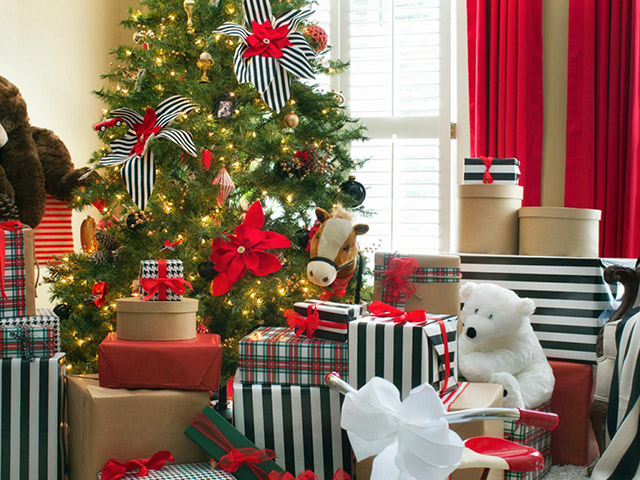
<point x="182" y="365"/>
<point x="156" y="321"/>
<point x="500" y="170"/>
<point x="218" y="438"/>
<point x="27" y="342"/>
<point x="573" y="300"/>
<point x="107" y="423"/>
<point x="406" y="354"/>
<point x="433" y="284"/>
<point x="43" y="318"/>
<point x="334" y="318"/>
<point x="30" y="415"/>
<point x="19" y="275"/>
<point x="535" y="437"/>
<point x="189" y="471"/>
<point x="302" y="425"/>
<point x="275" y="355"/>
<point x="161" y="270"/>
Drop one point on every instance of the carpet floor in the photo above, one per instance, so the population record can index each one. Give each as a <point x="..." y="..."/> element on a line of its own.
<point x="567" y="472"/>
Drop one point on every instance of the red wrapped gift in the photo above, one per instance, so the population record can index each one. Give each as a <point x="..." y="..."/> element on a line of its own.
<point x="180" y="365"/>
<point x="573" y="442"/>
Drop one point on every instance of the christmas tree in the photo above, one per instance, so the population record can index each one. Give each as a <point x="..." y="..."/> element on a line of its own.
<point x="277" y="138"/>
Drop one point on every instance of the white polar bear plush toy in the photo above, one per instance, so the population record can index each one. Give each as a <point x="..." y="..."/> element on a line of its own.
<point x="498" y="345"/>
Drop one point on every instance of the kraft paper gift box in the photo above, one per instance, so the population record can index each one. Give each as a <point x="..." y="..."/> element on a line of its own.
<point x="19" y="273"/>
<point x="43" y="318"/>
<point x="301" y="423"/>
<point x="182" y="365"/>
<point x="156" y="321"/>
<point x="159" y="270"/>
<point x="218" y="437"/>
<point x="107" y="423"/>
<point x="490" y="170"/>
<point x="31" y="403"/>
<point x="189" y="471"/>
<point x="433" y="284"/>
<point x="334" y="318"/>
<point x="406" y="354"/>
<point x="572" y="298"/>
<point x="275" y="355"/>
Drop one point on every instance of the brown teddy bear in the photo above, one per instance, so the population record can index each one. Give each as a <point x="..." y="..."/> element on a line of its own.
<point x="33" y="161"/>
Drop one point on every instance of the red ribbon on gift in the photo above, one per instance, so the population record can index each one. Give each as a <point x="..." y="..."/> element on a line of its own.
<point x="308" y="475"/>
<point x="161" y="284"/>
<point x="144" y="130"/>
<point x="10" y="226"/>
<point x="236" y="457"/>
<point x="384" y="310"/>
<point x="395" y="279"/>
<point x="488" y="162"/>
<point x="309" y="324"/>
<point x="99" y="293"/>
<point x="114" y="469"/>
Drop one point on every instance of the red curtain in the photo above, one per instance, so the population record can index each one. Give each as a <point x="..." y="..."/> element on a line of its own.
<point x="603" y="119"/>
<point x="505" y="85"/>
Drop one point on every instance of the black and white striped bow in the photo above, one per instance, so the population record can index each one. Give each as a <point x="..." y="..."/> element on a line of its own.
<point x="132" y="150"/>
<point x="271" y="51"/>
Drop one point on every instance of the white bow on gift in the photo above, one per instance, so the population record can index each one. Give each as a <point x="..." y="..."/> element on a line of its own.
<point x="411" y="438"/>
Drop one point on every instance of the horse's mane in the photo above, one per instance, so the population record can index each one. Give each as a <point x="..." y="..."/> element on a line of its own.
<point x="340" y="212"/>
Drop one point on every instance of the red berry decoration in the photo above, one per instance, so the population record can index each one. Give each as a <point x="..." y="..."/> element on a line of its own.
<point x="317" y="37"/>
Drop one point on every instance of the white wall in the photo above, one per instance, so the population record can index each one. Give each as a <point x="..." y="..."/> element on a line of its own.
<point x="55" y="52"/>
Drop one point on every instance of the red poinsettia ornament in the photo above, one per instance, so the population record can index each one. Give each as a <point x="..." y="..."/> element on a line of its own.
<point x="244" y="250"/>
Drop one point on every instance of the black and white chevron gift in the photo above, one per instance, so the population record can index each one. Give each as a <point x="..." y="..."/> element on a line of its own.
<point x="301" y="423"/>
<point x="503" y="171"/>
<point x="43" y="318"/>
<point x="149" y="269"/>
<point x="573" y="300"/>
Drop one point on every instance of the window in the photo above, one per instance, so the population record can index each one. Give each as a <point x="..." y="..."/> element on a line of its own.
<point x="399" y="86"/>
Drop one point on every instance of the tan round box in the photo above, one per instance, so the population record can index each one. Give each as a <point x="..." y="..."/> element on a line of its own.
<point x="559" y="232"/>
<point x="156" y="321"/>
<point x="488" y="219"/>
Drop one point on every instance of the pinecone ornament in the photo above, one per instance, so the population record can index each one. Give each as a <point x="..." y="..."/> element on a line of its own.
<point x="100" y="258"/>
<point x="117" y="254"/>
<point x="8" y="208"/>
<point x="107" y="241"/>
<point x="309" y="160"/>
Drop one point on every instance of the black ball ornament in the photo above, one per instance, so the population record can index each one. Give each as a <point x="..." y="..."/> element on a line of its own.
<point x="62" y="311"/>
<point x="355" y="190"/>
<point x="206" y="270"/>
<point x="302" y="238"/>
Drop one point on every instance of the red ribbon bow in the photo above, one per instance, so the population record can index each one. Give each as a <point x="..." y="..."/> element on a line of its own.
<point x="99" y="293"/>
<point x="308" y="475"/>
<point x="303" y="156"/>
<point x="113" y="469"/>
<point x="384" y="310"/>
<point x="207" y="428"/>
<point x="267" y="41"/>
<point x="488" y="161"/>
<point x="304" y="325"/>
<point x="144" y="130"/>
<point x="161" y="284"/>
<point x="395" y="279"/>
<point x="10" y="226"/>
<point x="169" y="245"/>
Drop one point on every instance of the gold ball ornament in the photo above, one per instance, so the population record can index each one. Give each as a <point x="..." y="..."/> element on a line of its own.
<point x="339" y="98"/>
<point x="291" y="120"/>
<point x="139" y="37"/>
<point x="88" y="230"/>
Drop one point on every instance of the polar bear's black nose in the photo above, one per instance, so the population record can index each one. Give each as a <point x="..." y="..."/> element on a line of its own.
<point x="471" y="332"/>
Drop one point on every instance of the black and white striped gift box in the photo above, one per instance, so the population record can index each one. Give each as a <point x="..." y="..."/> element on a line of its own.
<point x="573" y="300"/>
<point x="301" y="423"/>
<point x="149" y="269"/>
<point x="341" y="313"/>
<point x="405" y="354"/>
<point x="503" y="171"/>
<point x="43" y="318"/>
<point x="30" y="418"/>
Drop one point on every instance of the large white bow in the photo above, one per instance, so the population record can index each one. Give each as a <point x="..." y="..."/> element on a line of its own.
<point x="411" y="439"/>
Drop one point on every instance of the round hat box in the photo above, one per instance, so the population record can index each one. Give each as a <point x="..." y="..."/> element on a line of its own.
<point x="559" y="231"/>
<point x="488" y="218"/>
<point x="156" y="321"/>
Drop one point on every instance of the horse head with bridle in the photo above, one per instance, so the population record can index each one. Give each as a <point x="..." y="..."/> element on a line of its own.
<point x="333" y="249"/>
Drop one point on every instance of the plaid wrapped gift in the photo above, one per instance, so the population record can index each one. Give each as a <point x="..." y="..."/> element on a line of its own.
<point x="44" y="318"/>
<point x="27" y="342"/>
<point x="19" y="279"/>
<point x="406" y="354"/>
<point x="489" y="170"/>
<point x="398" y="276"/>
<point x="535" y="437"/>
<point x="189" y="471"/>
<point x="275" y="355"/>
<point x="156" y="270"/>
<point x="334" y="318"/>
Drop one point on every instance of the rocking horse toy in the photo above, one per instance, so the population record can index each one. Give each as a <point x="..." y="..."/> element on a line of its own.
<point x="334" y="251"/>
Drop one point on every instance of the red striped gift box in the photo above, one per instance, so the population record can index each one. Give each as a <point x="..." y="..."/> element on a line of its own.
<point x="53" y="237"/>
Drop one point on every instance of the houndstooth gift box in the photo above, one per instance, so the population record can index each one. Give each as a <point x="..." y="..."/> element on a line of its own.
<point x="44" y="318"/>
<point x="189" y="471"/>
<point x="488" y="170"/>
<point x="160" y="270"/>
<point x="535" y="437"/>
<point x="276" y="355"/>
